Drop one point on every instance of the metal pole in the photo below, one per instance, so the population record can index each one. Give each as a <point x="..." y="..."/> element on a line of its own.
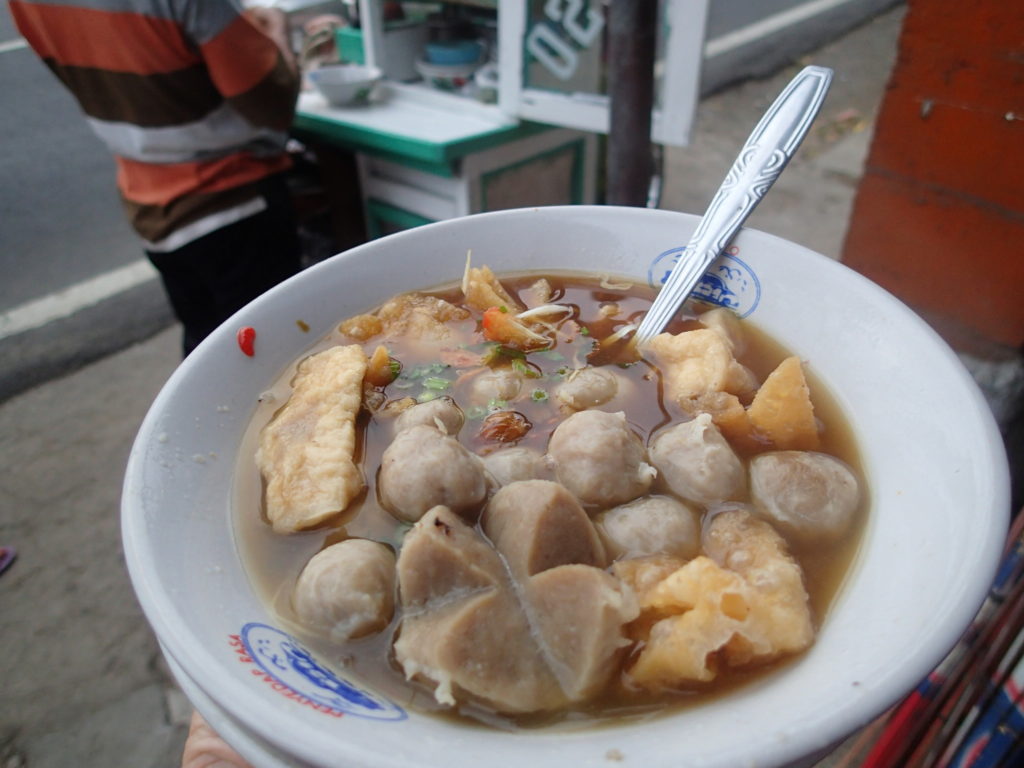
<point x="632" y="31"/>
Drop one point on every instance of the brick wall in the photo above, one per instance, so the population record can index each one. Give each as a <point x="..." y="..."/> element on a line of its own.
<point x="938" y="218"/>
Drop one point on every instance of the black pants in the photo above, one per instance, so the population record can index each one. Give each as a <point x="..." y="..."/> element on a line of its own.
<point x="209" y="279"/>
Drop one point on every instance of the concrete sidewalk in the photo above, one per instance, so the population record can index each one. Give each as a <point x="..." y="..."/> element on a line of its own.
<point x="83" y="680"/>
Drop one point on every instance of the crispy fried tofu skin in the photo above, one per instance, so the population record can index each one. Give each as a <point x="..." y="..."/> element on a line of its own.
<point x="409" y="315"/>
<point x="483" y="291"/>
<point x="696" y="363"/>
<point x="782" y="412"/>
<point x="306" y="452"/>
<point x="743" y="604"/>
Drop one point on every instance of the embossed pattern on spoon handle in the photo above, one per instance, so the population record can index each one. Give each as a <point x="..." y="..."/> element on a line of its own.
<point x="766" y="152"/>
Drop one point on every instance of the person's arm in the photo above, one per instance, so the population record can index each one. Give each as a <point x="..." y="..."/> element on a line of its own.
<point x="274" y="24"/>
<point x="249" y="59"/>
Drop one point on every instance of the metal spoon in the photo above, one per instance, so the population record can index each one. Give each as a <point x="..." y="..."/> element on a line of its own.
<point x="769" y="148"/>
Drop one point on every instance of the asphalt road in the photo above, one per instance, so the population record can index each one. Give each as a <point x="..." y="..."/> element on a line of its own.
<point x="62" y="234"/>
<point x="62" y="220"/>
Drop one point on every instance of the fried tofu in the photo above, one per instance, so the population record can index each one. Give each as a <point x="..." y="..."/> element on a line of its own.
<point x="483" y="291"/>
<point x="731" y="418"/>
<point x="743" y="604"/>
<point x="782" y="413"/>
<point x="409" y="315"/>
<point x="306" y="452"/>
<point x="699" y="362"/>
<point x="729" y="325"/>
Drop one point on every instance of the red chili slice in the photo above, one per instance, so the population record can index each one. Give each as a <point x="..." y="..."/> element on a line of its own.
<point x="247" y="339"/>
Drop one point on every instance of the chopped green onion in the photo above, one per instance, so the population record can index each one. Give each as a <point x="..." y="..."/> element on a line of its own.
<point x="427" y="395"/>
<point x="427" y="369"/>
<point x="490" y="354"/>
<point x="539" y="395"/>
<point x="436" y="383"/>
<point x="522" y="368"/>
<point x="475" y="412"/>
<point x="396" y="368"/>
<point x="584" y="330"/>
<point x="495" y="353"/>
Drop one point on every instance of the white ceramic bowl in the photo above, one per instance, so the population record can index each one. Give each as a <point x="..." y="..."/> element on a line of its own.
<point x="933" y="458"/>
<point x="344" y="85"/>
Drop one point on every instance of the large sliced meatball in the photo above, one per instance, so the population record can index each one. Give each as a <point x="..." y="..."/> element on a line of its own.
<point x="537" y="525"/>
<point x="423" y="467"/>
<point x="442" y="557"/>
<point x="516" y="641"/>
<point x="347" y="589"/>
<point x="697" y="463"/>
<point x="600" y="459"/>
<point x="810" y="497"/>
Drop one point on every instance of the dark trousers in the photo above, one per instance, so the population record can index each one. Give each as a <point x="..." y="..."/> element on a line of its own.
<point x="209" y="279"/>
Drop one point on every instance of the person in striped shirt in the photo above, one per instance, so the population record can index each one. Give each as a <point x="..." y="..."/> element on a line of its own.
<point x="194" y="99"/>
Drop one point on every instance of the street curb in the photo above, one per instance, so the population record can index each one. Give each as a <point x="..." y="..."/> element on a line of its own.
<point x="63" y="346"/>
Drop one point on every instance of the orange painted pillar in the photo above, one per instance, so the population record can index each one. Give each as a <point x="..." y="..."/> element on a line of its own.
<point x="938" y="218"/>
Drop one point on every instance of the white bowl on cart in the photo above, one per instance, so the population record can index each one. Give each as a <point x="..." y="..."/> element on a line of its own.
<point x="345" y="85"/>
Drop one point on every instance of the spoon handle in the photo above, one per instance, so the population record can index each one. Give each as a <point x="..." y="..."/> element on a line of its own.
<point x="768" y="149"/>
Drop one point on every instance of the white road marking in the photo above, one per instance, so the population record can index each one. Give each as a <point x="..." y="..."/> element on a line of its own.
<point x="767" y="26"/>
<point x="65" y="303"/>
<point x="87" y="293"/>
<point x="13" y="45"/>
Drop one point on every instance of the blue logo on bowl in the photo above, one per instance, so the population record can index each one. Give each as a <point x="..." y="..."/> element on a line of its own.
<point x="288" y="665"/>
<point x="730" y="282"/>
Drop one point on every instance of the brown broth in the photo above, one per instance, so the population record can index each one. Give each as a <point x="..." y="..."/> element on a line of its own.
<point x="275" y="561"/>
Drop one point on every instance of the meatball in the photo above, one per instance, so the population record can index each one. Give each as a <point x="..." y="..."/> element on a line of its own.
<point x="347" y="589"/>
<point x="514" y="464"/>
<point x="441" y="411"/>
<point x="499" y="384"/>
<point x="587" y="388"/>
<point x="810" y="497"/>
<point x="653" y="525"/>
<point x="697" y="463"/>
<point x="600" y="459"/>
<point x="424" y="467"/>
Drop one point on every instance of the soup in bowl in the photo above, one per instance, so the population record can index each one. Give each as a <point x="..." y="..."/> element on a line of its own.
<point x="218" y="559"/>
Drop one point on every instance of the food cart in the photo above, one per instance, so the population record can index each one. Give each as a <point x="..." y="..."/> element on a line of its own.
<point x="516" y="125"/>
